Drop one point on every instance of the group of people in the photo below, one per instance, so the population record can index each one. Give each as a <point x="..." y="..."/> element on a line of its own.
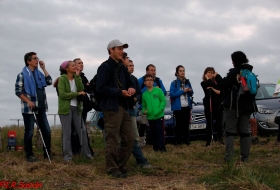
<point x="122" y="97"/>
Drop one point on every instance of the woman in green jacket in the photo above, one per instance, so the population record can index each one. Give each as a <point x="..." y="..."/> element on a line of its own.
<point x="70" y="87"/>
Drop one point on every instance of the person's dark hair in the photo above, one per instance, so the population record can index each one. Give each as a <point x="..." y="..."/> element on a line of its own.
<point x="124" y="55"/>
<point x="147" y="76"/>
<point x="55" y="84"/>
<point x="206" y="70"/>
<point x="177" y="69"/>
<point x="63" y="71"/>
<point x="76" y="59"/>
<point x="238" y="58"/>
<point x="28" y="57"/>
<point x="148" y="66"/>
<point x="109" y="50"/>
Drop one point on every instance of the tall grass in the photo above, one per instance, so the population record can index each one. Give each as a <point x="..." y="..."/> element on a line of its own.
<point x="182" y="167"/>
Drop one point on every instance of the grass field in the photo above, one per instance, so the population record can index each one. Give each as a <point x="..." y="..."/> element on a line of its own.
<point x="182" y="167"/>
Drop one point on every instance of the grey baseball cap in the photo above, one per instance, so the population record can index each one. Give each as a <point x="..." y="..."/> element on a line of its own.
<point x="116" y="43"/>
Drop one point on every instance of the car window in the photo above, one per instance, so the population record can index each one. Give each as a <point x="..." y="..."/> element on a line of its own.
<point x="270" y="90"/>
<point x="266" y="91"/>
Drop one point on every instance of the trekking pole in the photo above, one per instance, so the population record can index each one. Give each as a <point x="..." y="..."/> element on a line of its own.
<point x="44" y="145"/>
<point x="211" y="116"/>
<point x="81" y="138"/>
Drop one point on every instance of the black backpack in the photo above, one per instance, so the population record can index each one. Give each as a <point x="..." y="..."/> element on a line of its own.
<point x="94" y="96"/>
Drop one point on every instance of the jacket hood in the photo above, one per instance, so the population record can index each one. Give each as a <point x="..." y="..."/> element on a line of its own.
<point x="246" y="66"/>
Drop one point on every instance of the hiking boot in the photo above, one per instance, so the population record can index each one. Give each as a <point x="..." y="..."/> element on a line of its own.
<point x="31" y="159"/>
<point x="124" y="171"/>
<point x="46" y="157"/>
<point x="117" y="174"/>
<point x="68" y="162"/>
<point x="255" y="141"/>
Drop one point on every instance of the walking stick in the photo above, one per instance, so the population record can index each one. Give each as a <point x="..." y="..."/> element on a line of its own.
<point x="81" y="138"/>
<point x="211" y="117"/>
<point x="44" y="145"/>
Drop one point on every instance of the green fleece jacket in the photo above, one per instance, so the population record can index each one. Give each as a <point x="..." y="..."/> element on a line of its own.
<point x="155" y="102"/>
<point x="65" y="95"/>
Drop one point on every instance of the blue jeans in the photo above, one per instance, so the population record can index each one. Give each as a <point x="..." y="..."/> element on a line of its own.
<point x="29" y="128"/>
<point x="138" y="154"/>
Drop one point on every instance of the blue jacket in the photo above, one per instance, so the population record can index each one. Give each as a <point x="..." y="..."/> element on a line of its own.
<point x="107" y="84"/>
<point x="176" y="92"/>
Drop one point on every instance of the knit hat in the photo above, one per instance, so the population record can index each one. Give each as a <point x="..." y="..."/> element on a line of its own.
<point x="64" y="64"/>
<point x="238" y="58"/>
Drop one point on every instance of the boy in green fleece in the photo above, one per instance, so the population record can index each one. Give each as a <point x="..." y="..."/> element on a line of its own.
<point x="153" y="104"/>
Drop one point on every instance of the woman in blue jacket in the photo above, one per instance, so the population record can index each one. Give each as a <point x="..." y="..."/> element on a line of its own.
<point x="181" y="104"/>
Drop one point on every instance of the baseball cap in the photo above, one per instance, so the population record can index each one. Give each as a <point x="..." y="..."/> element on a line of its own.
<point x="116" y="43"/>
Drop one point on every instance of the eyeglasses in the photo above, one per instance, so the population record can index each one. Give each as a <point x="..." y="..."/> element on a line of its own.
<point x="149" y="80"/>
<point x="35" y="58"/>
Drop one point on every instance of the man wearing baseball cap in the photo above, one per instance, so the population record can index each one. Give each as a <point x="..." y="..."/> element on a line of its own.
<point x="114" y="86"/>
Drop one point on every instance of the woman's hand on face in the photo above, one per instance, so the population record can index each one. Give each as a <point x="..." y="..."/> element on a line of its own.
<point x="206" y="76"/>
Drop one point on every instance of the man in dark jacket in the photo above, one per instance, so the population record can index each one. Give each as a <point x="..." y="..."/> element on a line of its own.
<point x="238" y="108"/>
<point x="115" y="87"/>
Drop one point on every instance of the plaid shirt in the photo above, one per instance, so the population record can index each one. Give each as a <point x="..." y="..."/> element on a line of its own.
<point x="19" y="89"/>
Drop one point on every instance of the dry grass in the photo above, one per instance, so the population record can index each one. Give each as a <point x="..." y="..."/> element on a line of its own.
<point x="182" y="167"/>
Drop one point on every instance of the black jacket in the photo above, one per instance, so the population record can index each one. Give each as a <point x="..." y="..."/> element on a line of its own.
<point x="86" y="102"/>
<point x="232" y="99"/>
<point x="216" y="99"/>
<point x="137" y="94"/>
<point x="112" y="78"/>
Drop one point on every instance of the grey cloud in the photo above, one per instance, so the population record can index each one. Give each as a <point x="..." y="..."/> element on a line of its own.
<point x="195" y="34"/>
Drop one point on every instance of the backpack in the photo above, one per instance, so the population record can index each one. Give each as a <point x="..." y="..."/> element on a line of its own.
<point x="251" y="81"/>
<point x="94" y="96"/>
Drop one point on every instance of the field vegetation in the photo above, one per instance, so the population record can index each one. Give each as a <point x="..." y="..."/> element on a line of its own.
<point x="181" y="167"/>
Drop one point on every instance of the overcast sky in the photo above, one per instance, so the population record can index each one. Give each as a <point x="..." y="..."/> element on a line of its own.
<point x="166" y="33"/>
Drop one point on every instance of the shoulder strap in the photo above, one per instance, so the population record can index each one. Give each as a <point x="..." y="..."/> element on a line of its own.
<point x="157" y="80"/>
<point x="143" y="85"/>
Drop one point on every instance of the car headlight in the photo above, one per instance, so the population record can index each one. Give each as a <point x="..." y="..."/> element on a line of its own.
<point x="263" y="110"/>
<point x="167" y="117"/>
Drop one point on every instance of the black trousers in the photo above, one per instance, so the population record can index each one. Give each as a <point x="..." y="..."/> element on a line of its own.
<point x="182" y="129"/>
<point x="214" y="124"/>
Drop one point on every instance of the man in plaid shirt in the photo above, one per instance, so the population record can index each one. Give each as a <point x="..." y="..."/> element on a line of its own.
<point x="30" y="88"/>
